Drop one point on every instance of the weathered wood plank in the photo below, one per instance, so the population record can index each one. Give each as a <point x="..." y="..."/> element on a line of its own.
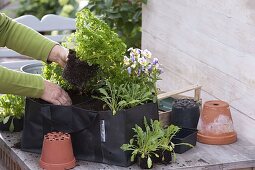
<point x="187" y="39"/>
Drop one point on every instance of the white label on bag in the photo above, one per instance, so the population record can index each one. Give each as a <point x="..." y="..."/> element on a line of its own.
<point x="102" y="130"/>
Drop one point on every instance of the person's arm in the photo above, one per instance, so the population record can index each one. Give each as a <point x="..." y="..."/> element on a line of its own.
<point x="28" y="42"/>
<point x="24" y="40"/>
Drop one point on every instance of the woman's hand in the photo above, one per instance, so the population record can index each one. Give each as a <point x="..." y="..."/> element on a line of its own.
<point x="55" y="94"/>
<point x="59" y="55"/>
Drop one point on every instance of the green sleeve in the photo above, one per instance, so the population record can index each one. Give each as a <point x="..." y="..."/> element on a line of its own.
<point x="24" y="40"/>
<point x="28" y="42"/>
<point x="23" y="84"/>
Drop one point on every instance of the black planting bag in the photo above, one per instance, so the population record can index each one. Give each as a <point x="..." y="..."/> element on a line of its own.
<point x="96" y="135"/>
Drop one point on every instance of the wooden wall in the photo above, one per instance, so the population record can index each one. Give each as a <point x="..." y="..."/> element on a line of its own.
<point x="209" y="42"/>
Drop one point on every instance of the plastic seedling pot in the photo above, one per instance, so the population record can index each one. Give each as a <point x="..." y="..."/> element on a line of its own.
<point x="57" y="152"/>
<point x="185" y="135"/>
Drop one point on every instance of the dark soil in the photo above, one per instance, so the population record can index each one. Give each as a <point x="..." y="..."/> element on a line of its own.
<point x="17" y="145"/>
<point x="185" y="103"/>
<point x="166" y="157"/>
<point x="78" y="72"/>
<point x="142" y="162"/>
<point x="93" y="104"/>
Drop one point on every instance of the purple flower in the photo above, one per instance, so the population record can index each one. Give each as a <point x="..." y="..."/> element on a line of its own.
<point x="139" y="72"/>
<point x="129" y="69"/>
<point x="149" y="68"/>
<point x="132" y="57"/>
<point x="155" y="61"/>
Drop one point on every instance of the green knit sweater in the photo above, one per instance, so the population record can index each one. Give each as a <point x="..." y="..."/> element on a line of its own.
<point x="28" y="42"/>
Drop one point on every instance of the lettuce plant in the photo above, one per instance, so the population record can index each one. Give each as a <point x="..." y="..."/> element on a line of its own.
<point x="11" y="106"/>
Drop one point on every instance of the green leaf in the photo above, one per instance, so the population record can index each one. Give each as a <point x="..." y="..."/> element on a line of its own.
<point x="11" y="127"/>
<point x="103" y="91"/>
<point x="108" y="3"/>
<point x="132" y="157"/>
<point x="149" y="162"/>
<point x="6" y="119"/>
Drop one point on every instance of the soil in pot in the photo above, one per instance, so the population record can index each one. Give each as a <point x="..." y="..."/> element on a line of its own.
<point x="166" y="157"/>
<point x="157" y="159"/>
<point x="142" y="162"/>
<point x="18" y="124"/>
<point x="78" y="72"/>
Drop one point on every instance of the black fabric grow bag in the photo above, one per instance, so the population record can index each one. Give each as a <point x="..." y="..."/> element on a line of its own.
<point x="96" y="135"/>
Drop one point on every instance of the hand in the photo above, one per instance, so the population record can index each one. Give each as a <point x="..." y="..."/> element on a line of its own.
<point x="59" y="55"/>
<point x="55" y="94"/>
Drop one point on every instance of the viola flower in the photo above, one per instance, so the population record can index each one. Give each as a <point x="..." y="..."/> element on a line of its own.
<point x="129" y="69"/>
<point x="149" y="68"/>
<point x="155" y="61"/>
<point x="132" y="57"/>
<point x="126" y="60"/>
<point x="133" y="65"/>
<point x="142" y="61"/>
<point x="130" y="49"/>
<point x="146" y="53"/>
<point x="139" y="72"/>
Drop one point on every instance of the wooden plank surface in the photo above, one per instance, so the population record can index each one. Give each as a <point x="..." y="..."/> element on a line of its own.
<point x="204" y="42"/>
<point x="234" y="156"/>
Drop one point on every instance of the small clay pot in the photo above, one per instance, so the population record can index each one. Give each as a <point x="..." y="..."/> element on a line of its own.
<point x="142" y="162"/>
<point x="57" y="152"/>
<point x="78" y="72"/>
<point x="216" y="124"/>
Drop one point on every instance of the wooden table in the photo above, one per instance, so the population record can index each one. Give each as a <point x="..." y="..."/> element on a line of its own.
<point x="238" y="155"/>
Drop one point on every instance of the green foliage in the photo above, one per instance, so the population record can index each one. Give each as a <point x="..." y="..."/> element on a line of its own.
<point x="11" y="106"/>
<point x="125" y="95"/>
<point x="153" y="138"/>
<point x="144" y="143"/>
<point x="112" y="97"/>
<point x="123" y="16"/>
<point x="96" y="44"/>
<point x="39" y="8"/>
<point x="53" y="73"/>
<point x="135" y="94"/>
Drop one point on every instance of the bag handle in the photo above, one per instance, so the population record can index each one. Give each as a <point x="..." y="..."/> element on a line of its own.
<point x="68" y="119"/>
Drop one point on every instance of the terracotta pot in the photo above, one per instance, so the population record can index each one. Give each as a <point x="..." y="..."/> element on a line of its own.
<point x="215" y="124"/>
<point x="57" y="152"/>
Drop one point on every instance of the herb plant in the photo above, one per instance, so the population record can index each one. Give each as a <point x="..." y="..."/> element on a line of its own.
<point x="97" y="44"/>
<point x="11" y="106"/>
<point x="144" y="143"/>
<point x="111" y="95"/>
<point x="53" y="73"/>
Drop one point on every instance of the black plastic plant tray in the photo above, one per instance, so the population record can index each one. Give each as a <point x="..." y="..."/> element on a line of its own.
<point x="185" y="135"/>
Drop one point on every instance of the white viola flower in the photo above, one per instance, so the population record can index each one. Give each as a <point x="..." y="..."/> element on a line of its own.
<point x="133" y="65"/>
<point x="146" y="53"/>
<point x="130" y="49"/>
<point x="142" y="61"/>
<point x="126" y="60"/>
